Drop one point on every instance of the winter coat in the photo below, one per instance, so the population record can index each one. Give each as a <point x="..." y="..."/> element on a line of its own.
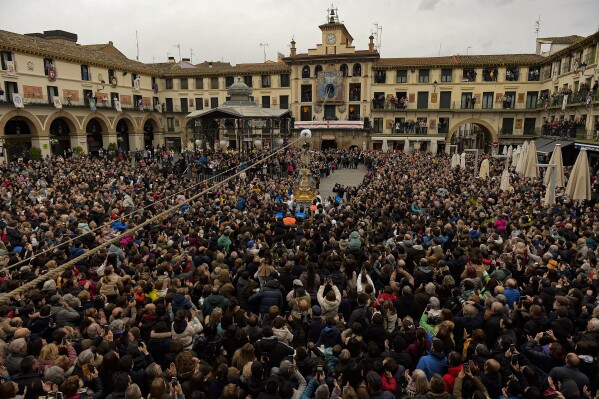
<point x="186" y="331"/>
<point x="329" y="308"/>
<point x="433" y="363"/>
<point x="214" y="301"/>
<point x="269" y="295"/>
<point x="110" y="285"/>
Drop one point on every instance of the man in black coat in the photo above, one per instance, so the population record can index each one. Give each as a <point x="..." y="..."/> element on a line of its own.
<point x="270" y="350"/>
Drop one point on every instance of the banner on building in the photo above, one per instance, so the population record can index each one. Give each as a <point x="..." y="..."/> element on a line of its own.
<point x="57" y="103"/>
<point x="92" y="104"/>
<point x="565" y="102"/>
<point x="10" y="68"/>
<point x="51" y="73"/>
<point x="17" y="100"/>
<point x="158" y="107"/>
<point x="117" y="105"/>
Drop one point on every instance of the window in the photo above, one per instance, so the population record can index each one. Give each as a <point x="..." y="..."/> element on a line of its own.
<point x="344" y="69"/>
<point x="317" y="70"/>
<point x="6" y="58"/>
<point x="422" y="99"/>
<point x="591" y="55"/>
<point x="443" y="126"/>
<point x="265" y="101"/>
<point x="355" y="92"/>
<point x="184" y="105"/>
<point x="229" y="80"/>
<point x="114" y="97"/>
<point x="306" y="113"/>
<point x="490" y="74"/>
<point x="48" y="63"/>
<point x="402" y="76"/>
<point x="155" y="103"/>
<point x="533" y="74"/>
<point x="265" y="79"/>
<point x="11" y="88"/>
<point x="305" y="72"/>
<point x="199" y="103"/>
<point x="467" y="101"/>
<point x="184" y="84"/>
<point x="87" y="94"/>
<point x="488" y="100"/>
<point x="512" y="74"/>
<point x="284" y="77"/>
<point x="446" y="75"/>
<point x="170" y="124"/>
<point x="378" y="101"/>
<point x="357" y="70"/>
<point x="213" y="102"/>
<point x="136" y="100"/>
<point x="529" y="126"/>
<point x="531" y="99"/>
<point x="169" y="83"/>
<point x="509" y="100"/>
<point x="354" y="112"/>
<point x="402" y="97"/>
<point x="445" y="100"/>
<point x="247" y="80"/>
<point x="199" y="83"/>
<point x="306" y="93"/>
<point x="469" y="75"/>
<point x="52" y="92"/>
<point x="214" y="83"/>
<point x="85" y="73"/>
<point x="284" y="102"/>
<point x="169" y="104"/>
<point x="378" y="125"/>
<point x="508" y="126"/>
<point x="330" y="113"/>
<point x="423" y="75"/>
<point x="380" y="76"/>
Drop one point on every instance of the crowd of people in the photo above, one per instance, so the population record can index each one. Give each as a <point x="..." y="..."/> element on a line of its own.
<point x="421" y="281"/>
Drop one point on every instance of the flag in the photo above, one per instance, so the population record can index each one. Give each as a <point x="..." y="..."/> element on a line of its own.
<point x="92" y="104"/>
<point x="280" y="56"/>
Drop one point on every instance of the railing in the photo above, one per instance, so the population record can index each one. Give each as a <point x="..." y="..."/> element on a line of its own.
<point x="591" y="135"/>
<point x="565" y="131"/>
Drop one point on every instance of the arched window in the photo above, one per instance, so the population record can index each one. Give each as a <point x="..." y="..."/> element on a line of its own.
<point x="343" y="68"/>
<point x="317" y="70"/>
<point x="357" y="70"/>
<point x="305" y="72"/>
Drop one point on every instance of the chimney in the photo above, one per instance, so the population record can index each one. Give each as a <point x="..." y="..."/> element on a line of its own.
<point x="185" y="59"/>
<point x="171" y="59"/>
<point x="293" y="50"/>
<point x="371" y="44"/>
<point x="58" y="36"/>
<point x="210" y="64"/>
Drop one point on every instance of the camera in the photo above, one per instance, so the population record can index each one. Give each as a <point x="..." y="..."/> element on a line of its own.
<point x="174" y="381"/>
<point x="514" y="359"/>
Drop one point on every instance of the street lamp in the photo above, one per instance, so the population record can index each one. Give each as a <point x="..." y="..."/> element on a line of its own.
<point x="435" y="86"/>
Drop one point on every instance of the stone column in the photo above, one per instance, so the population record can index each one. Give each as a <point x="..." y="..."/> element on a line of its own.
<point x="43" y="143"/>
<point x="433" y="147"/>
<point x="385" y="145"/>
<point x="79" y="141"/>
<point x="109" y="138"/>
<point x="136" y="141"/>
<point x="158" y="139"/>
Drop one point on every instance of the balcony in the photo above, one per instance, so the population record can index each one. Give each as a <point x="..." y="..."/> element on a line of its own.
<point x="331" y="124"/>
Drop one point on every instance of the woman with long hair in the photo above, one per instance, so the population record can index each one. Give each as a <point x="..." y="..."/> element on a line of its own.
<point x="242" y="356"/>
<point x="311" y="281"/>
<point x="417" y="384"/>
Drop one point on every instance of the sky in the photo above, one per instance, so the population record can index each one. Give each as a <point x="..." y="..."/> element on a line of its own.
<point x="233" y="30"/>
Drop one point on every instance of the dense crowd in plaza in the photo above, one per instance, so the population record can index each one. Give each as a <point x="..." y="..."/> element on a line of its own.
<point x="420" y="282"/>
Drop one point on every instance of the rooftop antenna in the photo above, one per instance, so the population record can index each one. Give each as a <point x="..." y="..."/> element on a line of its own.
<point x="378" y="35"/>
<point x="179" y="47"/>
<point x="538" y="26"/>
<point x="191" y="56"/>
<point x="439" y="49"/>
<point x="264" y="46"/>
<point x="137" y="42"/>
<point x="467" y="50"/>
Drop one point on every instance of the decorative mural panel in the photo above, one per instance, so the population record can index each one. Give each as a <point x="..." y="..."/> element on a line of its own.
<point x="73" y="93"/>
<point x="35" y="92"/>
<point x="126" y="99"/>
<point x="330" y="86"/>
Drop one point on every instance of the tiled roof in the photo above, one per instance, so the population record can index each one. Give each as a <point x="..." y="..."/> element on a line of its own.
<point x="173" y="69"/>
<point x="460" y="60"/>
<point x="357" y="53"/>
<point x="562" y="39"/>
<point x="82" y="54"/>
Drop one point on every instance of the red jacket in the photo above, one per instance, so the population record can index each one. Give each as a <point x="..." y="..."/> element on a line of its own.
<point x="449" y="378"/>
<point x="389" y="384"/>
<point x="383" y="297"/>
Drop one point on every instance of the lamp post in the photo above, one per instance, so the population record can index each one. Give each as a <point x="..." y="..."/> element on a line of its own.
<point x="435" y="86"/>
<point x="553" y="168"/>
<point x="475" y="151"/>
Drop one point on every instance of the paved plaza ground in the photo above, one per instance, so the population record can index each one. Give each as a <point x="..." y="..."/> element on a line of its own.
<point x="347" y="177"/>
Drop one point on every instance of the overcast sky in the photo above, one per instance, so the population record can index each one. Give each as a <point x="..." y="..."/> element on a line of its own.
<point x="232" y="30"/>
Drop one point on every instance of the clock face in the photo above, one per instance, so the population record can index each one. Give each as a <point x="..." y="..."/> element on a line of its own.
<point x="331" y="39"/>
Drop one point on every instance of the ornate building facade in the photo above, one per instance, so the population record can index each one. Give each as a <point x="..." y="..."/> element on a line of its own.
<point x="58" y="94"/>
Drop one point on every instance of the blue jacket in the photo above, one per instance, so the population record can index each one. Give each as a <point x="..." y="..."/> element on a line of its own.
<point x="269" y="295"/>
<point x="433" y="363"/>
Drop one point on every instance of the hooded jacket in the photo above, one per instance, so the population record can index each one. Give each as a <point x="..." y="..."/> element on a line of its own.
<point x="185" y="332"/>
<point x="329" y="308"/>
<point x="433" y="363"/>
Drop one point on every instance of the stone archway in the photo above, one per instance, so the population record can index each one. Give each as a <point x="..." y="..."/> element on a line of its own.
<point x="483" y="138"/>
<point x="19" y="132"/>
<point x="95" y="129"/>
<point x="64" y="131"/>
